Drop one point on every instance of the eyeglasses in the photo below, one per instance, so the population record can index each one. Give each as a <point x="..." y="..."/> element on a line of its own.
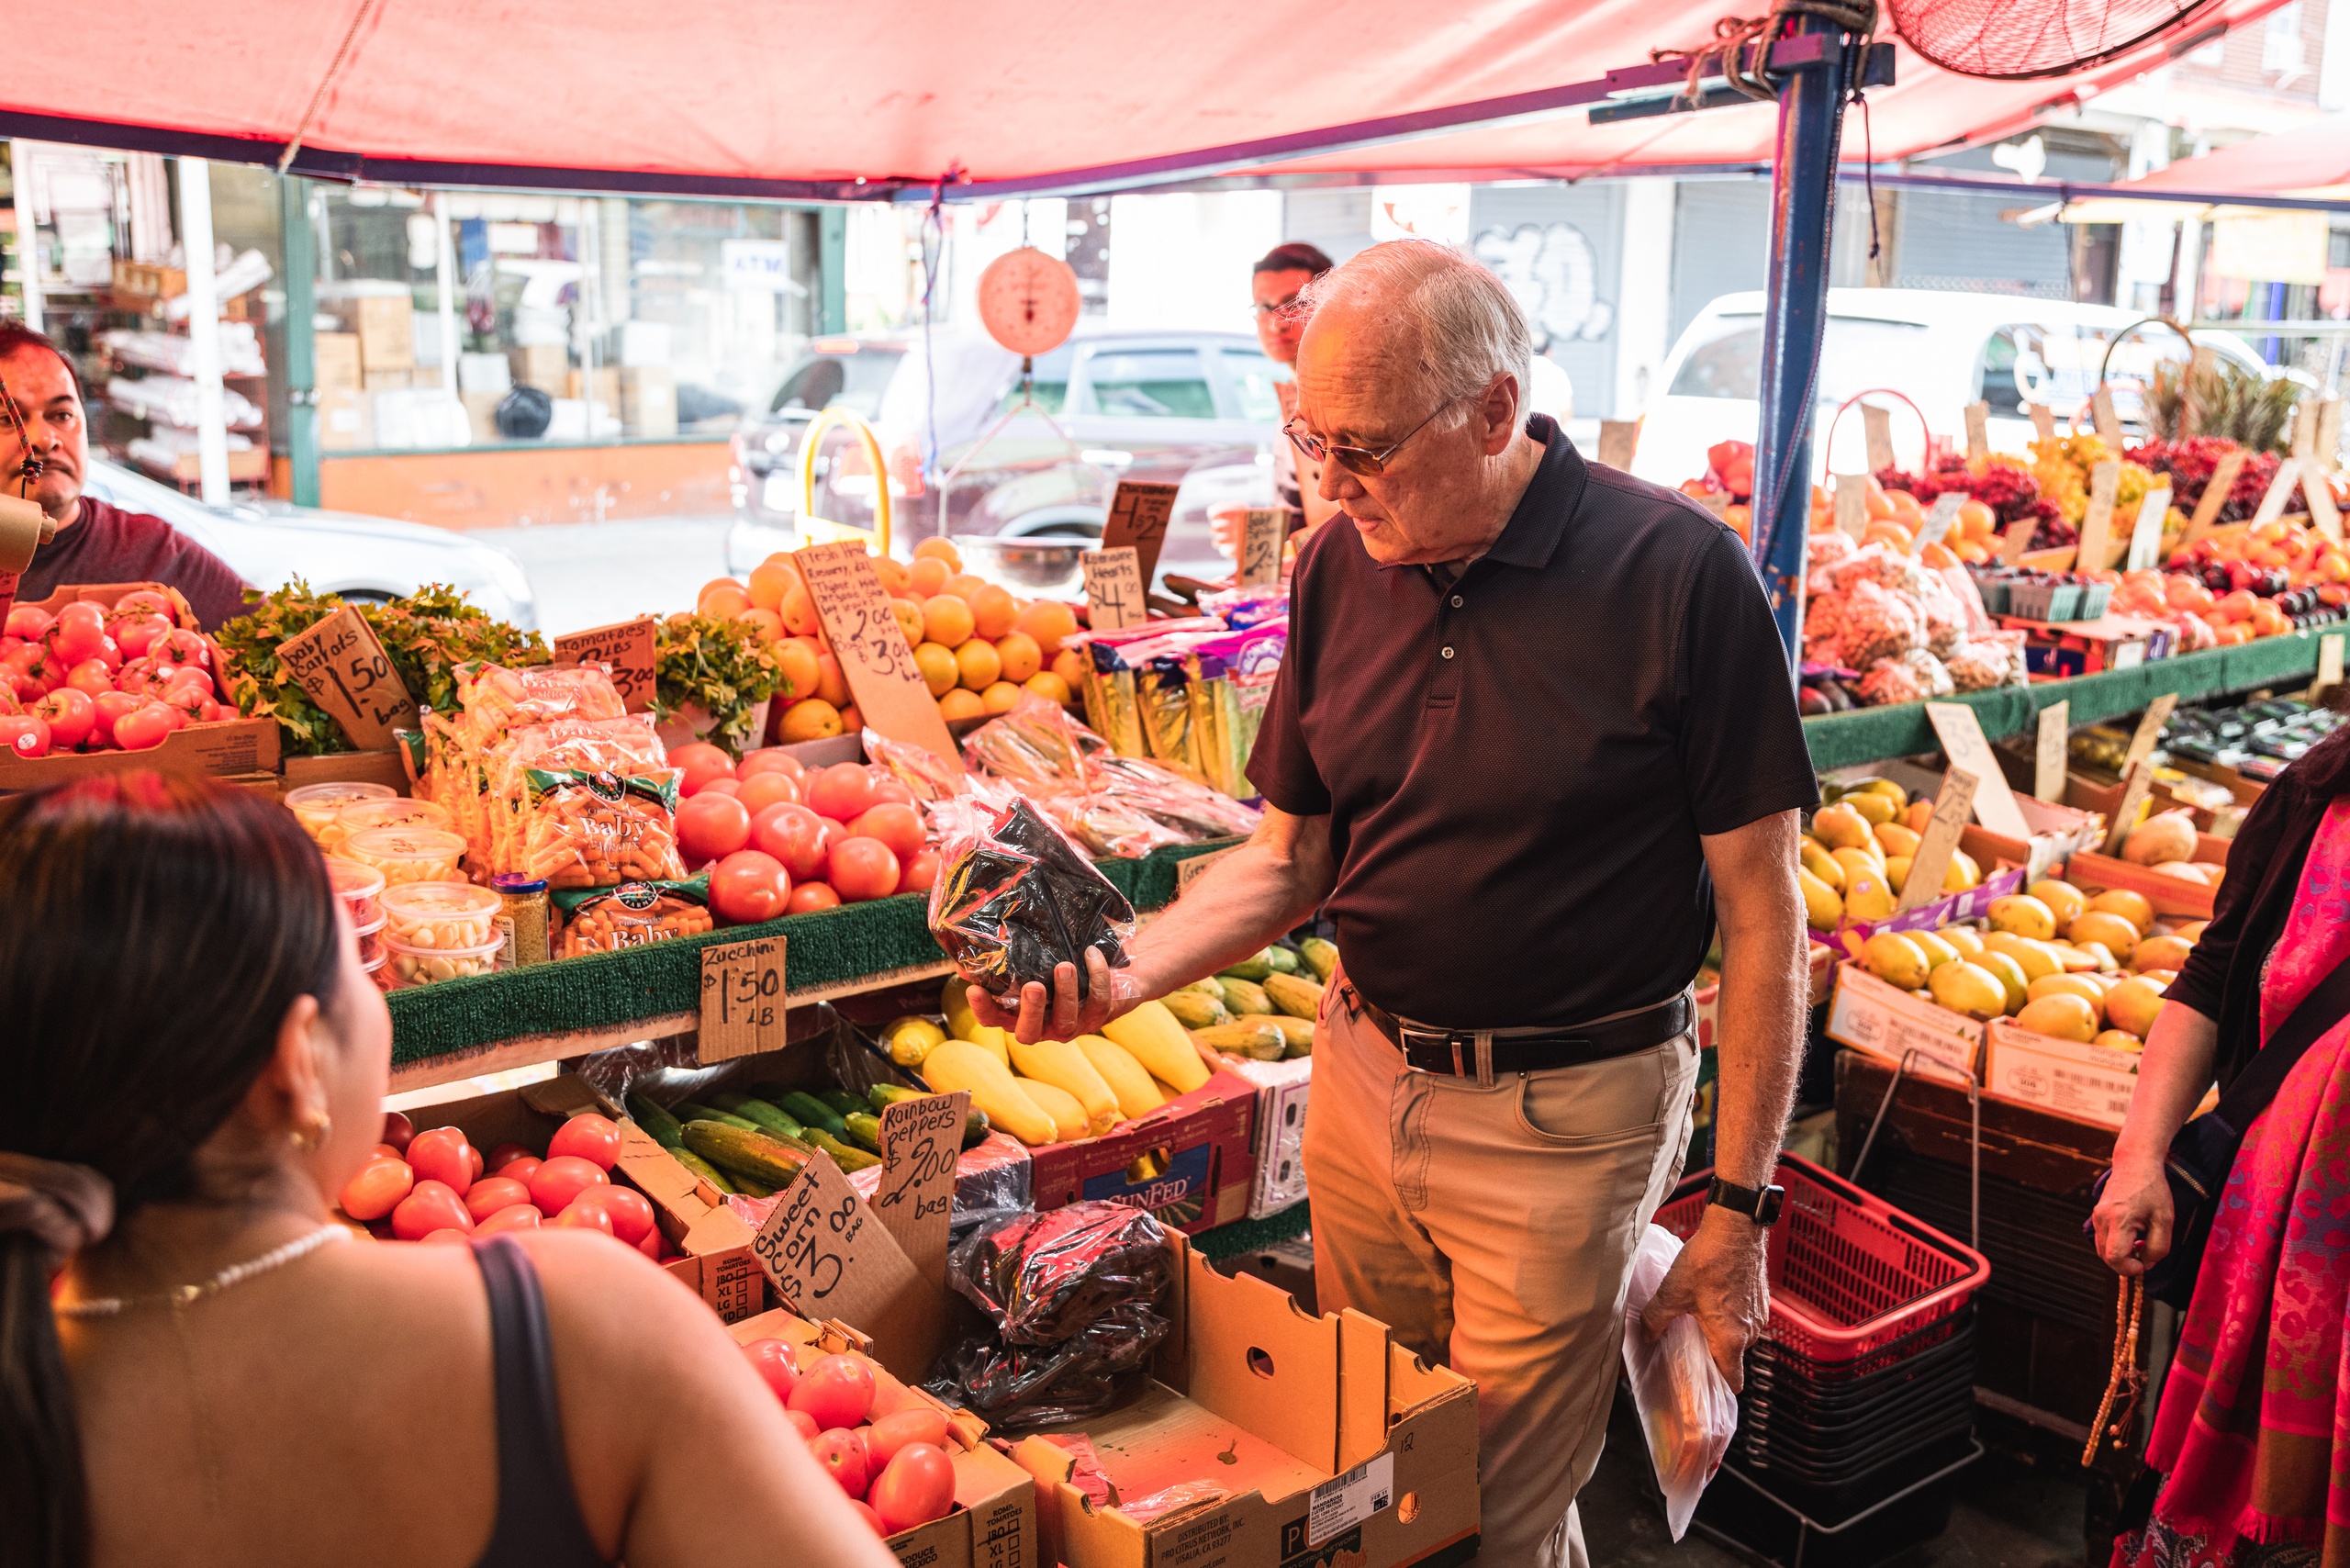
<point x="1355" y="459"/>
<point x="1278" y="307"/>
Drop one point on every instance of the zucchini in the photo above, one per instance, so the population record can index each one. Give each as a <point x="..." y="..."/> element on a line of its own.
<point x="751" y="1156"/>
<point x="840" y="1100"/>
<point x="865" y="1131"/>
<point x="975" y="1124"/>
<point x="847" y="1156"/>
<point x="659" y="1125"/>
<point x="703" y="1169"/>
<point x="752" y="1108"/>
<point x="805" y="1107"/>
<point x="693" y="1111"/>
<point x="755" y="1190"/>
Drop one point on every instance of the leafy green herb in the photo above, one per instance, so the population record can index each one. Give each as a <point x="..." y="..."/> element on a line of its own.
<point x="720" y="666"/>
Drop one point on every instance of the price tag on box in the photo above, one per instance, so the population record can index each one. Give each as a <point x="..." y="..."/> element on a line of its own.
<point x="742" y="999"/>
<point x="1139" y="512"/>
<point x="345" y="670"/>
<point x="2048" y="752"/>
<point x="1876" y="427"/>
<point x="1953" y="805"/>
<point x="828" y="1256"/>
<point x="2216" y="489"/>
<point x="920" y="1141"/>
<point x="875" y="659"/>
<point x="1114" y="592"/>
<point x="1978" y="430"/>
<point x="1961" y="733"/>
<point x="626" y="646"/>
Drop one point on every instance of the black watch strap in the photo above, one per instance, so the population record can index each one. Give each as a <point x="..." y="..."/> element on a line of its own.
<point x="1761" y="1206"/>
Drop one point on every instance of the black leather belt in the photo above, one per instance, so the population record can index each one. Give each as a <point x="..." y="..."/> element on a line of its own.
<point x="1455" y="1052"/>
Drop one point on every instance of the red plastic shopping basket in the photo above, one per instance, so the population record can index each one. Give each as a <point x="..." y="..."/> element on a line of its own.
<point x="1850" y="1273"/>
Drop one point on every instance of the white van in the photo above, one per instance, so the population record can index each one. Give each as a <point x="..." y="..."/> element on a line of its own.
<point x="1941" y="351"/>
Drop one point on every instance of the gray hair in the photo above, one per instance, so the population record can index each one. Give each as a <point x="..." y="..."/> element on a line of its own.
<point x="1462" y="326"/>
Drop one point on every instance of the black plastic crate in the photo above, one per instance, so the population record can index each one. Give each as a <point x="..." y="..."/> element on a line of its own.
<point x="1771" y="1520"/>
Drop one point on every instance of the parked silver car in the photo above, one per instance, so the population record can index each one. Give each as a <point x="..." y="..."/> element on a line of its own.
<point x="269" y="541"/>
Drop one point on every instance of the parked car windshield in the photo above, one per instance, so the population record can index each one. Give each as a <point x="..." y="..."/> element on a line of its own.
<point x="1860" y="353"/>
<point x="855" y="381"/>
<point x="1253" y="378"/>
<point x="1151" y="384"/>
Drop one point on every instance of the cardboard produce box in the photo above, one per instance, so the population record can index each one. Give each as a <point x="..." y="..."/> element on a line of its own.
<point x="346" y="421"/>
<point x="1322" y="1443"/>
<point x="1282" y="1089"/>
<point x="649" y="400"/>
<point x="2093" y="871"/>
<point x="1191" y="1161"/>
<point x="225" y="748"/>
<point x="385" y="325"/>
<point x="335" y="365"/>
<point x="2087" y="1083"/>
<point x="546" y="366"/>
<point x="994" y="1521"/>
<point x="1888" y="1022"/>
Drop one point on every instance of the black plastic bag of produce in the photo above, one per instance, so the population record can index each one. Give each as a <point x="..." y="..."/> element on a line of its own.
<point x="1013" y="1387"/>
<point x="1042" y="1278"/>
<point x="1014" y="899"/>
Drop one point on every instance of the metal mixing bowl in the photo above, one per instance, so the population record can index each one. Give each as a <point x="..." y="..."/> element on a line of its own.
<point x="1048" y="565"/>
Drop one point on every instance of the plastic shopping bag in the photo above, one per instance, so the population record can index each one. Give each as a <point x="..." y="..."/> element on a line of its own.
<point x="1685" y="1405"/>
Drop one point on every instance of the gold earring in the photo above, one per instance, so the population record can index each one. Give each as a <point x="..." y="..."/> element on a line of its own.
<point x="315" y="1126"/>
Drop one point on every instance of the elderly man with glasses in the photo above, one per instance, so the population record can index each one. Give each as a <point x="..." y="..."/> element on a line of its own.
<point x="1534" y="739"/>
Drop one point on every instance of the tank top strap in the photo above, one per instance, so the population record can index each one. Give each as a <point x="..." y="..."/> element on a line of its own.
<point x="539" y="1525"/>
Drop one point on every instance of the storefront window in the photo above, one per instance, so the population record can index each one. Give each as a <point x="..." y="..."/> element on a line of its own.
<point x="453" y="319"/>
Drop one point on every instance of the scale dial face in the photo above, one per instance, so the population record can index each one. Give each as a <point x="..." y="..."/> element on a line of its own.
<point x="1028" y="301"/>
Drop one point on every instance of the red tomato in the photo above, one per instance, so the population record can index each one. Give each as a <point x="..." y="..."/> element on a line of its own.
<point x="92" y="676"/>
<point x="864" y="1511"/>
<point x="142" y="602"/>
<point x="917" y="1424"/>
<point x="491" y="1194"/>
<point x="772" y="1360"/>
<point x="521" y="1217"/>
<point x="631" y="1217"/>
<point x="773" y="759"/>
<point x="521" y="1169"/>
<point x="749" y="886"/>
<point x="897" y="826"/>
<point x="721" y="787"/>
<point x="843" y="1457"/>
<point x="802" y="1423"/>
<point x="833" y="832"/>
<point x="807" y="898"/>
<point x="771" y="788"/>
<point x="386" y="1151"/>
<point x="862" y="869"/>
<point x="136" y="635"/>
<point x="652" y="1246"/>
<point x="918" y="873"/>
<point x="916" y="1487"/>
<point x="503" y="1155"/>
<point x="450" y="1235"/>
<point x="377" y="1190"/>
<point x="473" y="1156"/>
<point x="711" y="826"/>
<point x="442" y="1154"/>
<point x="583" y="1214"/>
<point x="28" y="621"/>
<point x="144" y="727"/>
<point x="24" y="734"/>
<point x="398" y="1131"/>
<point x="430" y="1206"/>
<point x="591" y="1138"/>
<point x="70" y="715"/>
<point x="78" y="633"/>
<point x="843" y="791"/>
<point x="110" y="653"/>
<point x="108" y="706"/>
<point x="702" y="763"/>
<point x="181" y="648"/>
<point x="793" y="834"/>
<point x="554" y="1184"/>
<point x="887" y="791"/>
<point x="836" y="1392"/>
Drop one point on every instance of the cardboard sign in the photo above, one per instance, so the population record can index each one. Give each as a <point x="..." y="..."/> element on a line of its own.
<point x="1978" y="430"/>
<point x="626" y="646"/>
<point x="1267" y="530"/>
<point x="2280" y="491"/>
<point x="1938" y="522"/>
<point x="742" y="999"/>
<point x="2318" y="490"/>
<point x="1617" y="441"/>
<point x="2096" y="523"/>
<point x="2049" y="750"/>
<point x="1954" y="804"/>
<point x="2149" y="730"/>
<point x="828" y="1256"/>
<point x="2043" y="421"/>
<point x="2215" y="496"/>
<point x="2329" y="661"/>
<point x="2146" y="535"/>
<point x="1876" y="424"/>
<point x="2328" y="452"/>
<point x="1139" y="511"/>
<point x="1961" y="734"/>
<point x="2135" y="787"/>
<point x="2304" y="427"/>
<point x="921" y="1140"/>
<point x="346" y="672"/>
<point x="2109" y="424"/>
<point x="1191" y="870"/>
<point x="1852" y="504"/>
<point x="875" y="659"/>
<point x="2017" y="540"/>
<point x="1114" y="596"/>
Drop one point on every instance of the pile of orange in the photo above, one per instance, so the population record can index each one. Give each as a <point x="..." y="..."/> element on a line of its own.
<point x="1896" y="515"/>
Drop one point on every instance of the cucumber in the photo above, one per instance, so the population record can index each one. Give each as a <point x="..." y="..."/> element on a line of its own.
<point x="847" y="1156"/>
<point x="751" y="1156"/>
<point x="975" y="1123"/>
<point x="693" y="1111"/>
<point x="703" y="1169"/>
<point x="865" y="1131"/>
<point x="807" y="1108"/>
<point x="840" y="1100"/>
<point x="752" y="1108"/>
<point x="659" y="1125"/>
<point x="755" y="1190"/>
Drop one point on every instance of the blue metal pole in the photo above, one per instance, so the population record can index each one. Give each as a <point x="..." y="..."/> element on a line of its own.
<point x="1803" y="196"/>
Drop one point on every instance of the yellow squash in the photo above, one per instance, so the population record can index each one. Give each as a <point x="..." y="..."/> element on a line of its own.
<point x="1160" y="1043"/>
<point x="960" y="1064"/>
<point x="1124" y="1075"/>
<point x="1064" y="1067"/>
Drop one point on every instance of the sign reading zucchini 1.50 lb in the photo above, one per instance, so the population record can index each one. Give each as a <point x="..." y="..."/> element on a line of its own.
<point x="742" y="999"/>
<point x="875" y="659"/>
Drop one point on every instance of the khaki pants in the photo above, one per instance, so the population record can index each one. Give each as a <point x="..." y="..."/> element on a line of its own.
<point x="1493" y="1230"/>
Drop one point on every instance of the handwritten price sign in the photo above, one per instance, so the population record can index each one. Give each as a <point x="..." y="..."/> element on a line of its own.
<point x="875" y="659"/>
<point x="742" y="999"/>
<point x="1114" y="596"/>
<point x="921" y="1140"/>
<point x="1139" y="512"/>
<point x="626" y="646"/>
<point x="829" y="1257"/>
<point x="346" y="672"/>
<point x="1261" y="546"/>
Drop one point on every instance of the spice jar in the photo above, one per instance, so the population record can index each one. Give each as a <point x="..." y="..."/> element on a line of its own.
<point x="522" y="922"/>
<point x="318" y="808"/>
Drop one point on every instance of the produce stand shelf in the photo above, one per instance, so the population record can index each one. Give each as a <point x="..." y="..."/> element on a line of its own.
<point x="519" y="1018"/>
<point x="1872" y="734"/>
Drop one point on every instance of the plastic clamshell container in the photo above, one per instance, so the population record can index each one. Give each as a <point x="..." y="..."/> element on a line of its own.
<point x="379" y="971"/>
<point x="356" y="885"/>
<point x="407" y="854"/>
<point x="360" y="816"/>
<point x="2095" y="597"/>
<point x="441" y="916"/>
<point x="371" y="940"/>
<point x="318" y="806"/>
<point x="426" y="965"/>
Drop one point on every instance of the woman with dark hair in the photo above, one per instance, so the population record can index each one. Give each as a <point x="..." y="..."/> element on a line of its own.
<point x="2251" y="1443"/>
<point x="193" y="1060"/>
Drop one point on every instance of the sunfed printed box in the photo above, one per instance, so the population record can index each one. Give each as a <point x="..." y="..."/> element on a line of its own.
<point x="994" y="1521"/>
<point x="2087" y="1083"/>
<point x="1887" y="1022"/>
<point x="1325" y="1444"/>
<point x="1191" y="1161"/>
<point x="1282" y="1088"/>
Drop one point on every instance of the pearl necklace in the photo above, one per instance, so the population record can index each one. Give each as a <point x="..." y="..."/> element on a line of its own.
<point x="183" y="1296"/>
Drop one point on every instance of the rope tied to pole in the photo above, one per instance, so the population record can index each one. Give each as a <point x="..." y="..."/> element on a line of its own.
<point x="1740" y="53"/>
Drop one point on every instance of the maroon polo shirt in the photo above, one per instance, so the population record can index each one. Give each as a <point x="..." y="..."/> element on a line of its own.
<point x="1518" y="768"/>
<point x="105" y="544"/>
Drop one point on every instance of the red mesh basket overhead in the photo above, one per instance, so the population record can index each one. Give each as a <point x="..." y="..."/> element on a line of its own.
<point x="2009" y="40"/>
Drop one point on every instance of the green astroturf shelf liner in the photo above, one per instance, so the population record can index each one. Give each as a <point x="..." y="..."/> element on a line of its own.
<point x="609" y="989"/>
<point x="1871" y="734"/>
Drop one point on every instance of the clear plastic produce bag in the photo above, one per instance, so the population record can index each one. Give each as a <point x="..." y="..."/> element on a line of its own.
<point x="1014" y="899"/>
<point x="1685" y="1405"/>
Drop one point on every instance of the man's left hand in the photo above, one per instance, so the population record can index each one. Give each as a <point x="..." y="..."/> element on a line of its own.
<point x="1721" y="1280"/>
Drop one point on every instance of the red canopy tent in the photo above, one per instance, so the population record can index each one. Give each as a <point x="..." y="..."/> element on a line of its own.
<point x="2311" y="161"/>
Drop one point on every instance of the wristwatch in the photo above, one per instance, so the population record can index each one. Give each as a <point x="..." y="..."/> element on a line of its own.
<point x="1762" y="1207"/>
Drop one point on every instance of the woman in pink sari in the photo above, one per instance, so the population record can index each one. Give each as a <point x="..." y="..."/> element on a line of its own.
<point x="2252" y="1439"/>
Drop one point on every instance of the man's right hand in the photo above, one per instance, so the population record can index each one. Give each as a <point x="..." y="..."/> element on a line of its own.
<point x="2135" y="1207"/>
<point x="1061" y="1014"/>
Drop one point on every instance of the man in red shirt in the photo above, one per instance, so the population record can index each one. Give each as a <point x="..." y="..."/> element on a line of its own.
<point x="96" y="543"/>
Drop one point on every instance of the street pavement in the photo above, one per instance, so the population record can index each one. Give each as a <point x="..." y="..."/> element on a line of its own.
<point x="591" y="574"/>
